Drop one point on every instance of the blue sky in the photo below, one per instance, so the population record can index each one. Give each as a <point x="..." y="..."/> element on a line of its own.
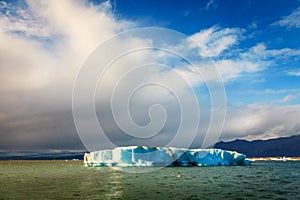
<point x="259" y="23"/>
<point x="254" y="44"/>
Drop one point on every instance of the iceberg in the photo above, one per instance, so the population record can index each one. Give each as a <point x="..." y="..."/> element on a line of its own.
<point x="163" y="156"/>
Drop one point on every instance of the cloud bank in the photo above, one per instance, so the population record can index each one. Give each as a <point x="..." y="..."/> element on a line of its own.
<point x="290" y="21"/>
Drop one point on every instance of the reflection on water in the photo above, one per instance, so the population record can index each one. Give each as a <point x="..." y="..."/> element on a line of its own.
<point x="71" y="180"/>
<point x="116" y="189"/>
<point x="101" y="183"/>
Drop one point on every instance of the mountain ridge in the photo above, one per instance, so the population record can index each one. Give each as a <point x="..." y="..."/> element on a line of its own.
<point x="283" y="146"/>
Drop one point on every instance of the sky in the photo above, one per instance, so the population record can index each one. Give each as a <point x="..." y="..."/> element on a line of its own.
<point x="254" y="46"/>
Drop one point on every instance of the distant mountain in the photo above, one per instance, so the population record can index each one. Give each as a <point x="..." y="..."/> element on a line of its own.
<point x="285" y="146"/>
<point x="41" y="155"/>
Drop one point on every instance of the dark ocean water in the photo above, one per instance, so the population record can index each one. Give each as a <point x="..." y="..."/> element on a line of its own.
<point x="72" y="180"/>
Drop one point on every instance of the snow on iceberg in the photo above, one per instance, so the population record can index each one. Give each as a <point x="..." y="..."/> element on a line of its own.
<point x="163" y="156"/>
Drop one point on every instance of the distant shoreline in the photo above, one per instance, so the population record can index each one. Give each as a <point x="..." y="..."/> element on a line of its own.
<point x="40" y="161"/>
<point x="253" y="159"/>
<point x="278" y="158"/>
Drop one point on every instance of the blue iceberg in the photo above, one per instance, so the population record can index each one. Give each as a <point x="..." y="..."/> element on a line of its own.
<point x="163" y="156"/>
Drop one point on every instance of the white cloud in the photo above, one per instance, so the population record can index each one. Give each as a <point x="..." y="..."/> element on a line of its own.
<point x="295" y="72"/>
<point x="228" y="69"/>
<point x="211" y="4"/>
<point x="261" y="121"/>
<point x="214" y="41"/>
<point x="20" y="21"/>
<point x="288" y="98"/>
<point x="262" y="51"/>
<point x="58" y="36"/>
<point x="264" y="57"/>
<point x="252" y="26"/>
<point x="272" y="91"/>
<point x="221" y="46"/>
<point x="290" y="21"/>
<point x="231" y="69"/>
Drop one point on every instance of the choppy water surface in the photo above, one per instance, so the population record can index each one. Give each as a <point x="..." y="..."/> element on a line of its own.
<point x="71" y="180"/>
